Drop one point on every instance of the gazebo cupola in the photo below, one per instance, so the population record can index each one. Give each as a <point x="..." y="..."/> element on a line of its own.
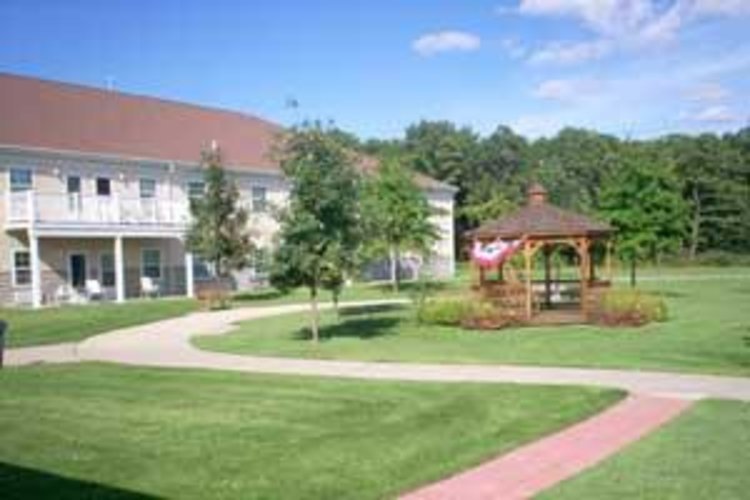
<point x="540" y="225"/>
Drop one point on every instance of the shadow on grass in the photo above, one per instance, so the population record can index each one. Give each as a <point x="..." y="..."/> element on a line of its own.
<point x="670" y="294"/>
<point x="258" y="295"/>
<point x="373" y="309"/>
<point x="24" y="483"/>
<point x="410" y="286"/>
<point x="358" y="322"/>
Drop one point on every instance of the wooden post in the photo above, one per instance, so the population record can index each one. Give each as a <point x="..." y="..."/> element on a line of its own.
<point x="547" y="272"/>
<point x="609" y="261"/>
<point x="592" y="267"/>
<point x="527" y="258"/>
<point x="583" y="251"/>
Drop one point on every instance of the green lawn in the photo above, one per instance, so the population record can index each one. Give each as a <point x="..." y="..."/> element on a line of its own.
<point x="71" y="323"/>
<point x="705" y="454"/>
<point x="105" y="431"/>
<point x="708" y="332"/>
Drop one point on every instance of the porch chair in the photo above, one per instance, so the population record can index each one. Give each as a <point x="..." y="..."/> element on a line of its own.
<point x="94" y="290"/>
<point x="64" y="294"/>
<point x="149" y="287"/>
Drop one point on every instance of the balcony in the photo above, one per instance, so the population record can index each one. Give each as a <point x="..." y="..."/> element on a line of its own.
<point x="62" y="211"/>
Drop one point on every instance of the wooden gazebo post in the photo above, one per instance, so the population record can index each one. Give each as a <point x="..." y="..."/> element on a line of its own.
<point x="528" y="255"/>
<point x="547" y="271"/>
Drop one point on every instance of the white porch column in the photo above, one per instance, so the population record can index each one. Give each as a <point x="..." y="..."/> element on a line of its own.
<point x="119" y="270"/>
<point x="36" y="271"/>
<point x="189" y="285"/>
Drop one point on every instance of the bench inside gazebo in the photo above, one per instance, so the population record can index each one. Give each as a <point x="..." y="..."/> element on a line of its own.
<point x="549" y="297"/>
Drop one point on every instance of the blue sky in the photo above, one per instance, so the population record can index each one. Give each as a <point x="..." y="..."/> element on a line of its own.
<point x="629" y="67"/>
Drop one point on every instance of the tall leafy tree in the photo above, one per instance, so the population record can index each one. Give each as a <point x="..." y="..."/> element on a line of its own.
<point x="575" y="164"/>
<point x="396" y="215"/>
<point x="319" y="231"/>
<point x="219" y="232"/>
<point x="497" y="177"/>
<point x="644" y="205"/>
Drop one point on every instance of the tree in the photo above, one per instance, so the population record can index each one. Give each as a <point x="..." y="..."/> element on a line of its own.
<point x="575" y="164"/>
<point x="643" y="204"/>
<point x="219" y="233"/>
<point x="498" y="178"/>
<point x="396" y="215"/>
<point x="319" y="231"/>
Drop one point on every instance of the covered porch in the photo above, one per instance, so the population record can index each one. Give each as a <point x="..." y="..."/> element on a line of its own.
<point x="73" y="266"/>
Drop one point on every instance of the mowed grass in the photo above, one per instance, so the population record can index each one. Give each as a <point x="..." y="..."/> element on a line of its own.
<point x="71" y="323"/>
<point x="701" y="456"/>
<point x="104" y="431"/>
<point x="708" y="331"/>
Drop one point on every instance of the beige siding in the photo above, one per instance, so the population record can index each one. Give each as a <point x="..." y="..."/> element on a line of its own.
<point x="50" y="173"/>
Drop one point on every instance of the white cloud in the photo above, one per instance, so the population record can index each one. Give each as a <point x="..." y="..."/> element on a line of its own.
<point x="567" y="90"/>
<point x="707" y="92"/>
<point x="622" y="24"/>
<point x="570" y="53"/>
<point x="718" y="113"/>
<point x="446" y="41"/>
<point x="606" y="17"/>
<point x="721" y="7"/>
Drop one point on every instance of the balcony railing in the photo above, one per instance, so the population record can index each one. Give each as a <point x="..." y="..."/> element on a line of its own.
<point x="27" y="207"/>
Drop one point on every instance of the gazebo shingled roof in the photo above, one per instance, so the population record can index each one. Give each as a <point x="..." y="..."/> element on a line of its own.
<point x="540" y="218"/>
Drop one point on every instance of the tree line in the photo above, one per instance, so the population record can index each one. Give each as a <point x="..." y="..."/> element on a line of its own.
<point x="700" y="183"/>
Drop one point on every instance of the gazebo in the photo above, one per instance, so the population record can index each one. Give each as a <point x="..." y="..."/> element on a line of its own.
<point x="539" y="225"/>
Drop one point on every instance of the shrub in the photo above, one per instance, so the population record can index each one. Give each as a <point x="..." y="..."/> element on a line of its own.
<point x="468" y="313"/>
<point x="629" y="308"/>
<point x="485" y="315"/>
<point x="214" y="296"/>
<point x="444" y="311"/>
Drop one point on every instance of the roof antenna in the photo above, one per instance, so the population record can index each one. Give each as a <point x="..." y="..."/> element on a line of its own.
<point x="110" y="83"/>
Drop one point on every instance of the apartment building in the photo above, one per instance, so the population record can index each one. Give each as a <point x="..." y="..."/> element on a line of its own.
<point x="96" y="184"/>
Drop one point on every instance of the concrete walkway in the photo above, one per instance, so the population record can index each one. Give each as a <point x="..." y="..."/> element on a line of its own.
<point x="167" y="344"/>
<point x="529" y="470"/>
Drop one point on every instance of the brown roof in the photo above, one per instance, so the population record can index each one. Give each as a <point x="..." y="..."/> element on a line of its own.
<point x="60" y="116"/>
<point x="540" y="218"/>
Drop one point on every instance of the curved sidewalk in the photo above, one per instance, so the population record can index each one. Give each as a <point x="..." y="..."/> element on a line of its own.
<point x="167" y="344"/>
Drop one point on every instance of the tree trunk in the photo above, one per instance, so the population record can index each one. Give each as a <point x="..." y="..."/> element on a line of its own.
<point x="695" y="224"/>
<point x="632" y="272"/>
<point x="335" y="297"/>
<point x="314" y="319"/>
<point x="394" y="268"/>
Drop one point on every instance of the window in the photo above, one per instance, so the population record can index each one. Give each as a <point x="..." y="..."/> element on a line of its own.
<point x="151" y="263"/>
<point x="260" y="261"/>
<point x="201" y="269"/>
<point x="20" y="179"/>
<point x="196" y="189"/>
<point x="74" y="184"/>
<point x="103" y="186"/>
<point x="21" y="267"/>
<point x="259" y="199"/>
<point x="107" y="269"/>
<point x="148" y="188"/>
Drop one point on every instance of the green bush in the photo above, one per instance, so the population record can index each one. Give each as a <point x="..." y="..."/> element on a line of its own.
<point x="443" y="311"/>
<point x="629" y="308"/>
<point x="465" y="312"/>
